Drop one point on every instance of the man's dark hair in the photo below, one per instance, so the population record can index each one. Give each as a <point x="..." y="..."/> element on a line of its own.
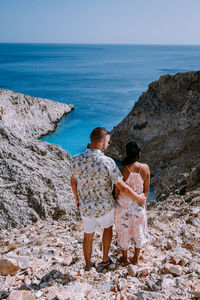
<point x="98" y="133"/>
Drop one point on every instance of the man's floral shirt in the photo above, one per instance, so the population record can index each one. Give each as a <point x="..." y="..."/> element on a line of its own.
<point x="95" y="174"/>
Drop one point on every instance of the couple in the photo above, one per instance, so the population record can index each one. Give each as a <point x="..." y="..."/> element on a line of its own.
<point x="93" y="176"/>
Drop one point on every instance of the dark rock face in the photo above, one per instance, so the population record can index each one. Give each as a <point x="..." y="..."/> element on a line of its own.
<point x="166" y="121"/>
<point x="34" y="176"/>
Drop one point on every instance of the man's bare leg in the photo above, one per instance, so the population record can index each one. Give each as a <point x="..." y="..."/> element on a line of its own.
<point x="87" y="249"/>
<point x="107" y="238"/>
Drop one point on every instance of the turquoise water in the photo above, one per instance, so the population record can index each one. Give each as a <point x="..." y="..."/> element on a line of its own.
<point x="102" y="81"/>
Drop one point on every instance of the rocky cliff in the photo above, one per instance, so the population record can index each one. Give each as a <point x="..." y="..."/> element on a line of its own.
<point x="166" y="121"/>
<point x="34" y="177"/>
<point x="28" y="116"/>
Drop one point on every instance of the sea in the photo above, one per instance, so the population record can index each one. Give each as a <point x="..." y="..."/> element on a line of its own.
<point x="102" y="81"/>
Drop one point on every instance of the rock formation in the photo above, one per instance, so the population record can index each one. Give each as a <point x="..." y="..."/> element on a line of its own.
<point x="28" y="116"/>
<point x="34" y="175"/>
<point x="166" y="121"/>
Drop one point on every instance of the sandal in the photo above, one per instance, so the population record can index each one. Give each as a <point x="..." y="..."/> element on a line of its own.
<point x="106" y="265"/>
<point x="93" y="265"/>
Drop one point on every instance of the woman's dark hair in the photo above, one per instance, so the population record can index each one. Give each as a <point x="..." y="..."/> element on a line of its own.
<point x="132" y="152"/>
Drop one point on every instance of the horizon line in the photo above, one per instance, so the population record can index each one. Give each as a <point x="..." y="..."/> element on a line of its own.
<point x="114" y="44"/>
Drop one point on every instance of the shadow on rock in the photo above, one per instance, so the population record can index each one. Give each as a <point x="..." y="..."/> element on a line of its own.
<point x="50" y="278"/>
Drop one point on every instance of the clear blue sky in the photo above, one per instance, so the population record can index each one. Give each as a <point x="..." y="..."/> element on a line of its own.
<point x="100" y="21"/>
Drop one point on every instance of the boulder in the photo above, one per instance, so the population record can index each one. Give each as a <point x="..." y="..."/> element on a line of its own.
<point x="9" y="266"/>
<point x="21" y="295"/>
<point x="173" y="269"/>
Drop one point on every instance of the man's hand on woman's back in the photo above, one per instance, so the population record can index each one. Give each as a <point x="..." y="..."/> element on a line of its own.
<point x="126" y="190"/>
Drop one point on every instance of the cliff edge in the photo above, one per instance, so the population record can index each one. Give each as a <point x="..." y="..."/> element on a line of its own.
<point x="34" y="176"/>
<point x="29" y="116"/>
<point x="166" y="121"/>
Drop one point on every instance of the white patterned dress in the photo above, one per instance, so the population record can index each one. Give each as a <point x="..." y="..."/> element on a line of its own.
<point x="130" y="217"/>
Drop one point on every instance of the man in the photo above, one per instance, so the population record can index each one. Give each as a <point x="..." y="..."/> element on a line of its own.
<point x="93" y="175"/>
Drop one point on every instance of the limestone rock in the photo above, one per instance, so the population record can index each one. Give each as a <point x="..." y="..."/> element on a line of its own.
<point x="34" y="175"/>
<point x="9" y="266"/>
<point x="196" y="292"/>
<point x="23" y="261"/>
<point x="21" y="295"/>
<point x="143" y="295"/>
<point x="75" y="292"/>
<point x="174" y="269"/>
<point x="178" y="259"/>
<point x="29" y="116"/>
<point x="132" y="270"/>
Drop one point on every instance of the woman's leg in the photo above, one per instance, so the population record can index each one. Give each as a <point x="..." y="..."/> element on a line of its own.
<point x="122" y="225"/>
<point x="139" y="232"/>
<point x="135" y="259"/>
<point x="124" y="257"/>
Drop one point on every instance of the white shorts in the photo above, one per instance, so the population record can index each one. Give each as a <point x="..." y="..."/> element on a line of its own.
<point x="90" y="224"/>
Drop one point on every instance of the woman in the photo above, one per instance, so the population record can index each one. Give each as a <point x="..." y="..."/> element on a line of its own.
<point x="130" y="217"/>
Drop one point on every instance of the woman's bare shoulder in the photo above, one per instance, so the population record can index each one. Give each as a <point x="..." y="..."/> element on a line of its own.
<point x="144" y="168"/>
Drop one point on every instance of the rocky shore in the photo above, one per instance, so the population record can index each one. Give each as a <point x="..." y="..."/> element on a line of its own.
<point x="30" y="117"/>
<point x="41" y="237"/>
<point x="34" y="176"/>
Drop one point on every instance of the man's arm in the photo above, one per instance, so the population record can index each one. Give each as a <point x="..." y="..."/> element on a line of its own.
<point x="74" y="190"/>
<point x="125" y="189"/>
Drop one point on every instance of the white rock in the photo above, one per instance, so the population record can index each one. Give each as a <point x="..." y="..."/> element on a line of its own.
<point x="9" y="266"/>
<point x="174" y="269"/>
<point x="21" y="295"/>
<point x="132" y="270"/>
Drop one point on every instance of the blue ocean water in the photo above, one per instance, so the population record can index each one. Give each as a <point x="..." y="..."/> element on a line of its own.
<point x="102" y="81"/>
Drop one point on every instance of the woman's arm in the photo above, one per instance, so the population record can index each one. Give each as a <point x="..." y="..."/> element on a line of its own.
<point x="146" y="177"/>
